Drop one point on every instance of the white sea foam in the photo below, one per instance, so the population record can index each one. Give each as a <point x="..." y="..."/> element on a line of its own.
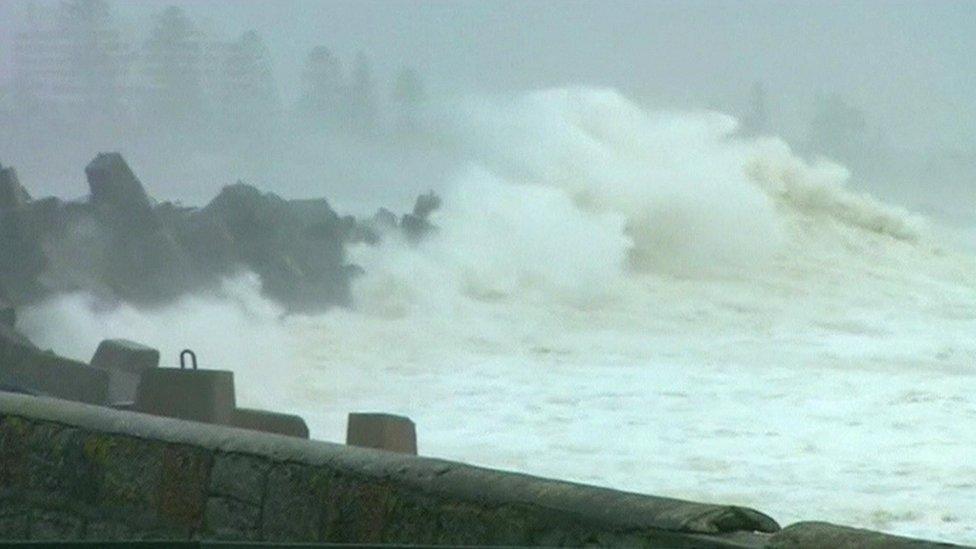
<point x="640" y="300"/>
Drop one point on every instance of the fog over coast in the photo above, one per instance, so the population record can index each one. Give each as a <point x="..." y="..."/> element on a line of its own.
<point x="706" y="259"/>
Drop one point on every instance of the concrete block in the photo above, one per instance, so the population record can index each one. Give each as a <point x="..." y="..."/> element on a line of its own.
<point x="271" y="422"/>
<point x="382" y="431"/>
<point x="196" y="395"/>
<point x="59" y="377"/>
<point x="112" y="182"/>
<point x="125" y="355"/>
<point x="125" y="361"/>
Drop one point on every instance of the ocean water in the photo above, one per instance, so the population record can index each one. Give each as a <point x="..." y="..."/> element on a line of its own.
<point x="641" y="300"/>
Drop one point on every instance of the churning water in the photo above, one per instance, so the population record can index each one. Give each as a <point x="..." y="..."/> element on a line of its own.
<point x="640" y="300"/>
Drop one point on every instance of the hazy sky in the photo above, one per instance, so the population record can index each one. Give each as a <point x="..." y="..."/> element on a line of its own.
<point x="911" y="65"/>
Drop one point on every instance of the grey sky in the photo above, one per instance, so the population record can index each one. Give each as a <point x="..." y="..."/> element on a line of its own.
<point x="910" y="65"/>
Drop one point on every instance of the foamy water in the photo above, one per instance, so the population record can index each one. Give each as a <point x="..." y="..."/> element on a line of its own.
<point x="637" y="300"/>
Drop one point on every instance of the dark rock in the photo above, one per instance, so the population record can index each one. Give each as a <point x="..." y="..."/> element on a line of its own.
<point x="122" y="246"/>
<point x="296" y="246"/>
<point x="112" y="183"/>
<point x="416" y="225"/>
<point x="426" y="204"/>
<point x="13" y="196"/>
<point x="384" y="219"/>
<point x="21" y="250"/>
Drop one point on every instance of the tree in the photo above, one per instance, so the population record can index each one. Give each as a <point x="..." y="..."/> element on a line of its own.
<point x="249" y="98"/>
<point x="362" y="96"/>
<point x="756" y="121"/>
<point x="322" y="88"/>
<point x="409" y="96"/>
<point x="91" y="70"/>
<point x="173" y="63"/>
<point x="838" y="129"/>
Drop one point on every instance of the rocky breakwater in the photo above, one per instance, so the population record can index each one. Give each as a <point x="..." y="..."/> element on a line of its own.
<point x="121" y="245"/>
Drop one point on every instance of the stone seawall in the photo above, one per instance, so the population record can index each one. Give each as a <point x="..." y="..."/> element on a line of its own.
<point x="74" y="471"/>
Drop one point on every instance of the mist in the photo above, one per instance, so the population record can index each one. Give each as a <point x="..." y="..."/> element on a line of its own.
<point x="709" y="250"/>
<point x="882" y="87"/>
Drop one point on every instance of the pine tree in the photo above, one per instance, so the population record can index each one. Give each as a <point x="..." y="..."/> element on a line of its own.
<point x="409" y="96"/>
<point x="838" y="129"/>
<point x="757" y="121"/>
<point x="91" y="67"/>
<point x="322" y="91"/>
<point x="173" y="65"/>
<point x="362" y="97"/>
<point x="249" y="98"/>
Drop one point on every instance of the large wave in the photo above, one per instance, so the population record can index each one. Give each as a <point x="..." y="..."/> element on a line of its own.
<point x="573" y="190"/>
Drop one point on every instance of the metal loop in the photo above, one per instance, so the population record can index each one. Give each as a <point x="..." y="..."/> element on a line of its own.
<point x="193" y="359"/>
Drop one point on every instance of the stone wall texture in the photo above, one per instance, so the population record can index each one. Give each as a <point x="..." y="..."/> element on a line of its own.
<point x="74" y="471"/>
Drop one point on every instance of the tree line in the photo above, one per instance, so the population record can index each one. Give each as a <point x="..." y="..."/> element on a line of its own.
<point x="70" y="63"/>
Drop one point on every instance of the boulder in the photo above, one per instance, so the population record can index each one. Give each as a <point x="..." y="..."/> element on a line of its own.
<point x="295" y="246"/>
<point x="383" y="432"/>
<point x="13" y="196"/>
<point x="384" y="220"/>
<point x="416" y="225"/>
<point x="112" y="182"/>
<point x="125" y="361"/>
<point x="22" y="257"/>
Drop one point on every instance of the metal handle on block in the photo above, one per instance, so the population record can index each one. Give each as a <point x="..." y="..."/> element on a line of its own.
<point x="193" y="359"/>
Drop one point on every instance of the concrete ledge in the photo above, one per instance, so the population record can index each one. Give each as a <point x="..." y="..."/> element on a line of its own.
<point x="318" y="487"/>
<point x="823" y="535"/>
<point x="270" y="422"/>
